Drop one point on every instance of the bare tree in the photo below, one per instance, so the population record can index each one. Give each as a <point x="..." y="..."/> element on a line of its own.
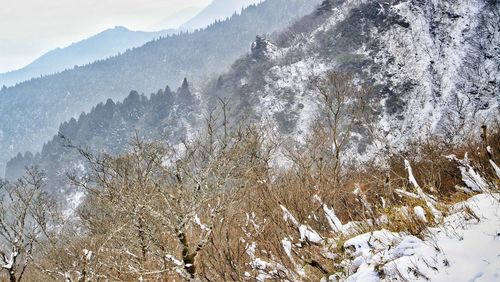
<point x="343" y="106"/>
<point x="26" y="214"/>
<point x="150" y="213"/>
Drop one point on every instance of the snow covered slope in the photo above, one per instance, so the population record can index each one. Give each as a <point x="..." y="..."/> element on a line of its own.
<point x="30" y="113"/>
<point x="433" y="66"/>
<point x="466" y="247"/>
<point x="451" y="242"/>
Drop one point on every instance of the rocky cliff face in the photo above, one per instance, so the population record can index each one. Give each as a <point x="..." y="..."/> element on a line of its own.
<point x="433" y="66"/>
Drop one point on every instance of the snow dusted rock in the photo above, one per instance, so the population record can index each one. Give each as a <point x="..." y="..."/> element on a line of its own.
<point x="420" y="213"/>
<point x="372" y="250"/>
<point x="262" y="48"/>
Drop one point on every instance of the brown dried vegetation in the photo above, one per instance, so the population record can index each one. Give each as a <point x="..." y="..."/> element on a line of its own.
<point x="213" y="210"/>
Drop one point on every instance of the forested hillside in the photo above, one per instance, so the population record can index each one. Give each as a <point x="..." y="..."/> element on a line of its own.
<point x="217" y="10"/>
<point x="32" y="111"/>
<point x="98" y="47"/>
<point x="109" y="127"/>
<point x="280" y="83"/>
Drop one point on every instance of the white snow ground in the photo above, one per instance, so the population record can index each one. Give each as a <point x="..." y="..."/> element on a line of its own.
<point x="466" y="247"/>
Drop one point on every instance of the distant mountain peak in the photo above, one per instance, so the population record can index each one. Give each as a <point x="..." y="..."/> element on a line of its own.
<point x="217" y="10"/>
<point x="120" y="27"/>
<point x="105" y="44"/>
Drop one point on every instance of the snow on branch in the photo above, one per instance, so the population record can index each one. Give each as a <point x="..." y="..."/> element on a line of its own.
<point x="496" y="168"/>
<point x="406" y="193"/>
<point x="9" y="261"/>
<point x="470" y="177"/>
<point x="429" y="200"/>
<point x="288" y="216"/>
<point x="411" y="177"/>
<point x="332" y="219"/>
<point x="306" y="232"/>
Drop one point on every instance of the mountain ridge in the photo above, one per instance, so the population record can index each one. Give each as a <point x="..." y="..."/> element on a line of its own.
<point x="216" y="11"/>
<point x="272" y="83"/>
<point x="100" y="46"/>
<point x="25" y="109"/>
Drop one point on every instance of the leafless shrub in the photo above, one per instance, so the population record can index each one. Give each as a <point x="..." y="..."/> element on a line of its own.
<point x="26" y="216"/>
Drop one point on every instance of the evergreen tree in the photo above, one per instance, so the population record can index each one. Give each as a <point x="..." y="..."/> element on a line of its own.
<point x="184" y="96"/>
<point x="185" y="84"/>
<point x="325" y="7"/>
<point x="220" y="83"/>
<point x="259" y="45"/>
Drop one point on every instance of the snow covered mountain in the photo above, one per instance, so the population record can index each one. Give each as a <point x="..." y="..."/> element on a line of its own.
<point x="100" y="46"/>
<point x="432" y="66"/>
<point x="453" y="47"/>
<point x="344" y="147"/>
<point x="30" y="113"/>
<point x="217" y="10"/>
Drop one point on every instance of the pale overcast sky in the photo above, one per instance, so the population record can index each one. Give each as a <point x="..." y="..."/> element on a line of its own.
<point x="29" y="28"/>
